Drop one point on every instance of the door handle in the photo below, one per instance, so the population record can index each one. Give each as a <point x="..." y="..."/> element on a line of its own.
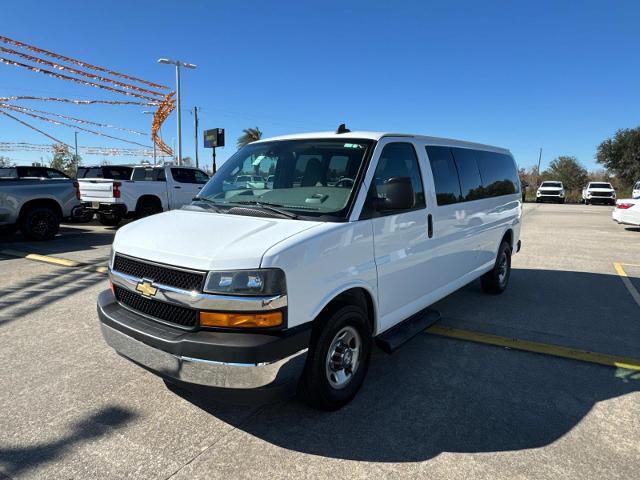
<point x="429" y="225"/>
<point x="177" y="186"/>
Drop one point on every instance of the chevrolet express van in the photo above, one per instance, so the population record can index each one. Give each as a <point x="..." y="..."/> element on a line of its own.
<point x="293" y="280"/>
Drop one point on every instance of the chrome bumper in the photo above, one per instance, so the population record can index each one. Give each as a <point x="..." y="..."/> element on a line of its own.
<point x="205" y="372"/>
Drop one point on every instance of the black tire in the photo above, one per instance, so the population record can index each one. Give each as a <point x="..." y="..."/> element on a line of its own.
<point x="537" y="200"/>
<point x="109" y="220"/>
<point x="496" y="280"/>
<point x="40" y="223"/>
<point x="317" y="386"/>
<point x="147" y="207"/>
<point x="562" y="201"/>
<point x="586" y="202"/>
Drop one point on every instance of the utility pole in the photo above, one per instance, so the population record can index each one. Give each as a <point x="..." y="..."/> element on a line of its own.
<point x="539" y="160"/>
<point x="75" y="158"/>
<point x="178" y="64"/>
<point x="195" y="125"/>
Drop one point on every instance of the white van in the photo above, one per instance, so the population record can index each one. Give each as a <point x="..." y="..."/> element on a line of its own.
<point x="293" y="280"/>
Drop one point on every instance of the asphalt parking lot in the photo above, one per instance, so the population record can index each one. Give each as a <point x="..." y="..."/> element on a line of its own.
<point x="437" y="408"/>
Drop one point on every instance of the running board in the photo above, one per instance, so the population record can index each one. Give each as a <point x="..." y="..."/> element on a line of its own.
<point x="397" y="336"/>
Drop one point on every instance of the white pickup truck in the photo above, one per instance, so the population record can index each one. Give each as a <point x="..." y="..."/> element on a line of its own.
<point x="117" y="192"/>
<point x="598" y="192"/>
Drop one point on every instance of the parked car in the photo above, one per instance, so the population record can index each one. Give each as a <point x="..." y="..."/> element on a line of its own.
<point x="550" y="191"/>
<point x="258" y="288"/>
<point x="627" y="211"/>
<point x="636" y="190"/>
<point x="270" y="179"/>
<point x="36" y="200"/>
<point x="598" y="192"/>
<point x="115" y="192"/>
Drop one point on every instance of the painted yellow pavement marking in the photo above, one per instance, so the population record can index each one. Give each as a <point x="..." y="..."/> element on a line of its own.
<point x="536" y="347"/>
<point x="64" y="262"/>
<point x="627" y="283"/>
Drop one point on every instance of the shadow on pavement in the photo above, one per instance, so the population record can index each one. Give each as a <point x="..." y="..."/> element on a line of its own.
<point x="40" y="291"/>
<point x="19" y="459"/>
<point x="71" y="238"/>
<point x="439" y="395"/>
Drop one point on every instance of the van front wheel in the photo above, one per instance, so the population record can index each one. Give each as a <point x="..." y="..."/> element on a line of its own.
<point x="338" y="359"/>
<point x="496" y="280"/>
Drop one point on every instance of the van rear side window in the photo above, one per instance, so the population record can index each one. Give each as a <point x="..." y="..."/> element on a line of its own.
<point x="445" y="175"/>
<point x="463" y="174"/>
<point x="469" y="174"/>
<point x="499" y="176"/>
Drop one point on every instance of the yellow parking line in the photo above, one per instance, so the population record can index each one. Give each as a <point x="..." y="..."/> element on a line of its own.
<point x="535" y="347"/>
<point x="627" y="283"/>
<point x="41" y="258"/>
<point x="64" y="262"/>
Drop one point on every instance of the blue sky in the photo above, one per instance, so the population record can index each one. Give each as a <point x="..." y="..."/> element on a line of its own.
<point x="553" y="74"/>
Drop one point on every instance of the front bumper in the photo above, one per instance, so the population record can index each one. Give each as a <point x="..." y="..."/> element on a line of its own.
<point x="238" y="361"/>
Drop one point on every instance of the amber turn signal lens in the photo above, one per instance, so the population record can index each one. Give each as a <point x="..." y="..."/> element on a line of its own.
<point x="241" y="320"/>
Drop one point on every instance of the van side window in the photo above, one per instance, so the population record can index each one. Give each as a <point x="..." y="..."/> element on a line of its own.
<point x="498" y="172"/>
<point x="470" y="181"/>
<point x="396" y="160"/>
<point x="445" y="175"/>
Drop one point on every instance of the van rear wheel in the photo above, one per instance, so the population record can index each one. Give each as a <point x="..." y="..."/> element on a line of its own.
<point x="496" y="280"/>
<point x="338" y="359"/>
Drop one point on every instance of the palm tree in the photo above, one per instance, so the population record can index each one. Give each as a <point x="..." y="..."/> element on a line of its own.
<point x="249" y="135"/>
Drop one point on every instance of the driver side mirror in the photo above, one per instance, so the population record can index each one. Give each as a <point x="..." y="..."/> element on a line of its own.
<point x="398" y="195"/>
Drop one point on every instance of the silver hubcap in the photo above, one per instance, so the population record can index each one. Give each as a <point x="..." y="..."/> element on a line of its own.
<point x="343" y="357"/>
<point x="503" y="266"/>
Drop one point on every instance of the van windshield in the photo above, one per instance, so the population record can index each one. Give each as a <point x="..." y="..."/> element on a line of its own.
<point x="307" y="177"/>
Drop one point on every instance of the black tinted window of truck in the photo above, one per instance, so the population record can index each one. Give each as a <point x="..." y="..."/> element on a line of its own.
<point x="53" y="173"/>
<point x="498" y="172"/>
<point x="31" y="172"/>
<point x="189" y="175"/>
<point x="468" y="173"/>
<point x="445" y="175"/>
<point x="143" y="174"/>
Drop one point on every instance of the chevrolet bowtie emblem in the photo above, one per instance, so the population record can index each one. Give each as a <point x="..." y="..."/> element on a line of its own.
<point x="146" y="288"/>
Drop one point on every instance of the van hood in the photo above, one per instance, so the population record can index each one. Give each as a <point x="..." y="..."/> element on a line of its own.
<point x="205" y="240"/>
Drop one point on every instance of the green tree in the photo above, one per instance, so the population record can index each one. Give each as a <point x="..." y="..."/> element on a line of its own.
<point x="567" y="170"/>
<point x="621" y="154"/>
<point x="249" y="135"/>
<point x="64" y="160"/>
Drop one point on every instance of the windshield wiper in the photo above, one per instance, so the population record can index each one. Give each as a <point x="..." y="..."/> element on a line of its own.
<point x="212" y="203"/>
<point x="269" y="206"/>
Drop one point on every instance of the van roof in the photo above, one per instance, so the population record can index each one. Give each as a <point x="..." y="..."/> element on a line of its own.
<point x="378" y="135"/>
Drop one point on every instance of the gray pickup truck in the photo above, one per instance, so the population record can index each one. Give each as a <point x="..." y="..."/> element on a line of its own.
<point x="36" y="199"/>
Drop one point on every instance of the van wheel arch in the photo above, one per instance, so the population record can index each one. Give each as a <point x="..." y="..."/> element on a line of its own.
<point x="354" y="296"/>
<point x="507" y="237"/>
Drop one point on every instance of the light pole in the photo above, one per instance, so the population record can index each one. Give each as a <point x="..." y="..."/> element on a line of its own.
<point x="178" y="64"/>
<point x="146" y="112"/>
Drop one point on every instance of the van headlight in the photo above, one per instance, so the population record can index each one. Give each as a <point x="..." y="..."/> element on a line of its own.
<point x="264" y="281"/>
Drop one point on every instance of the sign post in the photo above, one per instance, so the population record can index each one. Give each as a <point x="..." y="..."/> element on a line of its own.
<point x="214" y="138"/>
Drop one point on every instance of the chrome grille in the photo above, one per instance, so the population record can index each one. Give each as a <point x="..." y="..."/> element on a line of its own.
<point x="172" y="277"/>
<point x="174" y="314"/>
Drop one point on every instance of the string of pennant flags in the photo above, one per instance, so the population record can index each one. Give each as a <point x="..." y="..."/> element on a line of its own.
<point x="144" y="93"/>
<point x="47" y="148"/>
